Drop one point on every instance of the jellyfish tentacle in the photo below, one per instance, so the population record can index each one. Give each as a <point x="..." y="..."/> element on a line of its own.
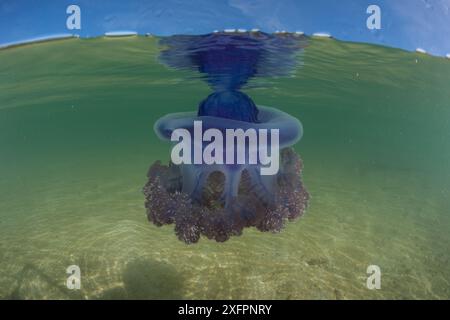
<point x="197" y="191"/>
<point x="189" y="178"/>
<point x="262" y="186"/>
<point x="231" y="187"/>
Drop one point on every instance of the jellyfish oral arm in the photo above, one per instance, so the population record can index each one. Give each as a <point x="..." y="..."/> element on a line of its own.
<point x="238" y="147"/>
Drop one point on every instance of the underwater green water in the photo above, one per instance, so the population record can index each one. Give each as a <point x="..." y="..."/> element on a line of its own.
<point x="76" y="140"/>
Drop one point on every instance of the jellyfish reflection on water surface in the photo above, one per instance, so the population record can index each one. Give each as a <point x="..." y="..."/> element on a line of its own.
<point x="220" y="200"/>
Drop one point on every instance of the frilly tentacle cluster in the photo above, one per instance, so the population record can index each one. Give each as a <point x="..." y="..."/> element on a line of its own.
<point x="266" y="205"/>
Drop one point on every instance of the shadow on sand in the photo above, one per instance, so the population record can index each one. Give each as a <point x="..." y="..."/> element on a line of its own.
<point x="147" y="279"/>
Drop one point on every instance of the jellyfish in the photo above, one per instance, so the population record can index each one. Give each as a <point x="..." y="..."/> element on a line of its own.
<point x="219" y="199"/>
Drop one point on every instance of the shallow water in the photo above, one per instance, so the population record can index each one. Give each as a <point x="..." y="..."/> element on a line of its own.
<point x="76" y="141"/>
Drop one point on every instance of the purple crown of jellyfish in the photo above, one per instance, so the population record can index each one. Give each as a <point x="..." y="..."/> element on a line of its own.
<point x="220" y="200"/>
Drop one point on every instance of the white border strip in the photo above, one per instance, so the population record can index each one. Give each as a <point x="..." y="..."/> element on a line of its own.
<point x="420" y="50"/>
<point x="38" y="39"/>
<point x="322" y="35"/>
<point x="120" y="33"/>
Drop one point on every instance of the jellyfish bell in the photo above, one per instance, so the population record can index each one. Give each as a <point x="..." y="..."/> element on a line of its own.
<point x="229" y="104"/>
<point x="215" y="140"/>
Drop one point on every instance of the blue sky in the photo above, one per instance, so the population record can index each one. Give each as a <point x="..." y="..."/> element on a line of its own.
<point x="406" y="24"/>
